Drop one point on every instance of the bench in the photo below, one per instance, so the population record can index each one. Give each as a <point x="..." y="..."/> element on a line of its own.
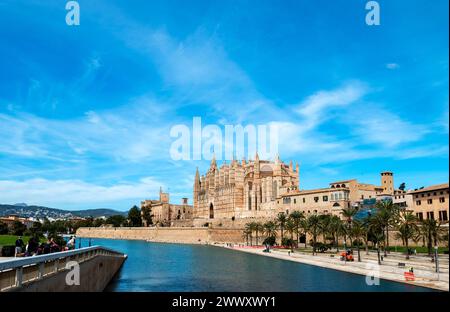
<point x="401" y="265"/>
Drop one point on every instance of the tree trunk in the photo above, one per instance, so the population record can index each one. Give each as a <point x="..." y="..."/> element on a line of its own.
<point x="429" y="245"/>
<point x="314" y="245"/>
<point x="359" y="255"/>
<point x="337" y="242"/>
<point x="387" y="241"/>
<point x="407" y="249"/>
<point x="378" y="254"/>
<point x="367" y="244"/>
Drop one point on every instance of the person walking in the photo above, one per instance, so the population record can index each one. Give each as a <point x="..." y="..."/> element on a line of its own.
<point x="19" y="246"/>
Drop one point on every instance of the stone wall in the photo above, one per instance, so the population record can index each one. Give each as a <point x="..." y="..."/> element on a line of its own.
<point x="197" y="235"/>
<point x="200" y="235"/>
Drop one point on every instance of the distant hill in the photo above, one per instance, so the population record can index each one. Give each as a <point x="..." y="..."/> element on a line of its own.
<point x="40" y="212"/>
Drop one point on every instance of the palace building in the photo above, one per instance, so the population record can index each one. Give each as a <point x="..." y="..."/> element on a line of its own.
<point x="164" y="213"/>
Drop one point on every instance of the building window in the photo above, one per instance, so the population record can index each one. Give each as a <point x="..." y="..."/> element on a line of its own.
<point x="429" y="201"/>
<point x="316" y="199"/>
<point x="417" y="196"/>
<point x="443" y="215"/>
<point x="423" y="195"/>
<point x="430" y="215"/>
<point x="442" y="199"/>
<point x="362" y="196"/>
<point x="286" y="200"/>
<point x="295" y="201"/>
<point x="419" y="216"/>
<point x="304" y="200"/>
<point x="441" y="192"/>
<point x="434" y="193"/>
<point x="325" y="198"/>
<point x="418" y="202"/>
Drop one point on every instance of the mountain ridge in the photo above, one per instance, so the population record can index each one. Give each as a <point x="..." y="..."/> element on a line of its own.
<point x="41" y="212"/>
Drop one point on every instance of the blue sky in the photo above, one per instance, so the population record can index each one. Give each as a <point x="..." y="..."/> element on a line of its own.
<point x="86" y="111"/>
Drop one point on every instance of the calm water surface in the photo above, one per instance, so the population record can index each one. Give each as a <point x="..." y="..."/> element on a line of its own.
<point x="177" y="267"/>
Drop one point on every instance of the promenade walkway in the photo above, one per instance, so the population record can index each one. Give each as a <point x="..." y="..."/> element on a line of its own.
<point x="424" y="269"/>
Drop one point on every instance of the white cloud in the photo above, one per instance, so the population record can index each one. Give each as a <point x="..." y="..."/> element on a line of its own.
<point x="392" y="66"/>
<point x="62" y="193"/>
<point x="382" y="127"/>
<point x="314" y="108"/>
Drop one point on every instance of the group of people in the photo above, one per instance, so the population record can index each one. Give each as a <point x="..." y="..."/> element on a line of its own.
<point x="34" y="248"/>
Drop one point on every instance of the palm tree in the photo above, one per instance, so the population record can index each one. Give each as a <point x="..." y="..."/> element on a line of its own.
<point x="387" y="214"/>
<point x="247" y="233"/>
<point x="375" y="233"/>
<point x="325" y="227"/>
<point x="290" y="227"/>
<point x="358" y="232"/>
<point x="407" y="228"/>
<point x="297" y="217"/>
<point x="259" y="228"/>
<point x="430" y="231"/>
<point x="304" y="226"/>
<point x="282" y="219"/>
<point x="335" y="230"/>
<point x="270" y="229"/>
<point x="250" y="228"/>
<point x="348" y="214"/>
<point x="313" y="229"/>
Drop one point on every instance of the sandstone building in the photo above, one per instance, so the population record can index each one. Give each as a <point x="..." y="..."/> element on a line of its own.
<point x="339" y="195"/>
<point x="431" y="202"/>
<point x="163" y="212"/>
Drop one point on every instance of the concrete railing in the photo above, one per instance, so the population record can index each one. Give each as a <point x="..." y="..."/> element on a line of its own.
<point x="18" y="271"/>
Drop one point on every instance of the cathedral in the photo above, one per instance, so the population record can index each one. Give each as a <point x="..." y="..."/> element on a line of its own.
<point x="246" y="189"/>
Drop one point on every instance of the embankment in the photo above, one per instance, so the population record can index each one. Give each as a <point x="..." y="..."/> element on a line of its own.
<point x="186" y="235"/>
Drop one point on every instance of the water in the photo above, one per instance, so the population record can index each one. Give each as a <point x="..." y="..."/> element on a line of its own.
<point x="177" y="267"/>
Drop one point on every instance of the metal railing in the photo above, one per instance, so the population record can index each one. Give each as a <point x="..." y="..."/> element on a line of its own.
<point x="15" y="272"/>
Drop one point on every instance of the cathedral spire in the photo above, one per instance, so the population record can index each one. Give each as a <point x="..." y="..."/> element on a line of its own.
<point x="213" y="160"/>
